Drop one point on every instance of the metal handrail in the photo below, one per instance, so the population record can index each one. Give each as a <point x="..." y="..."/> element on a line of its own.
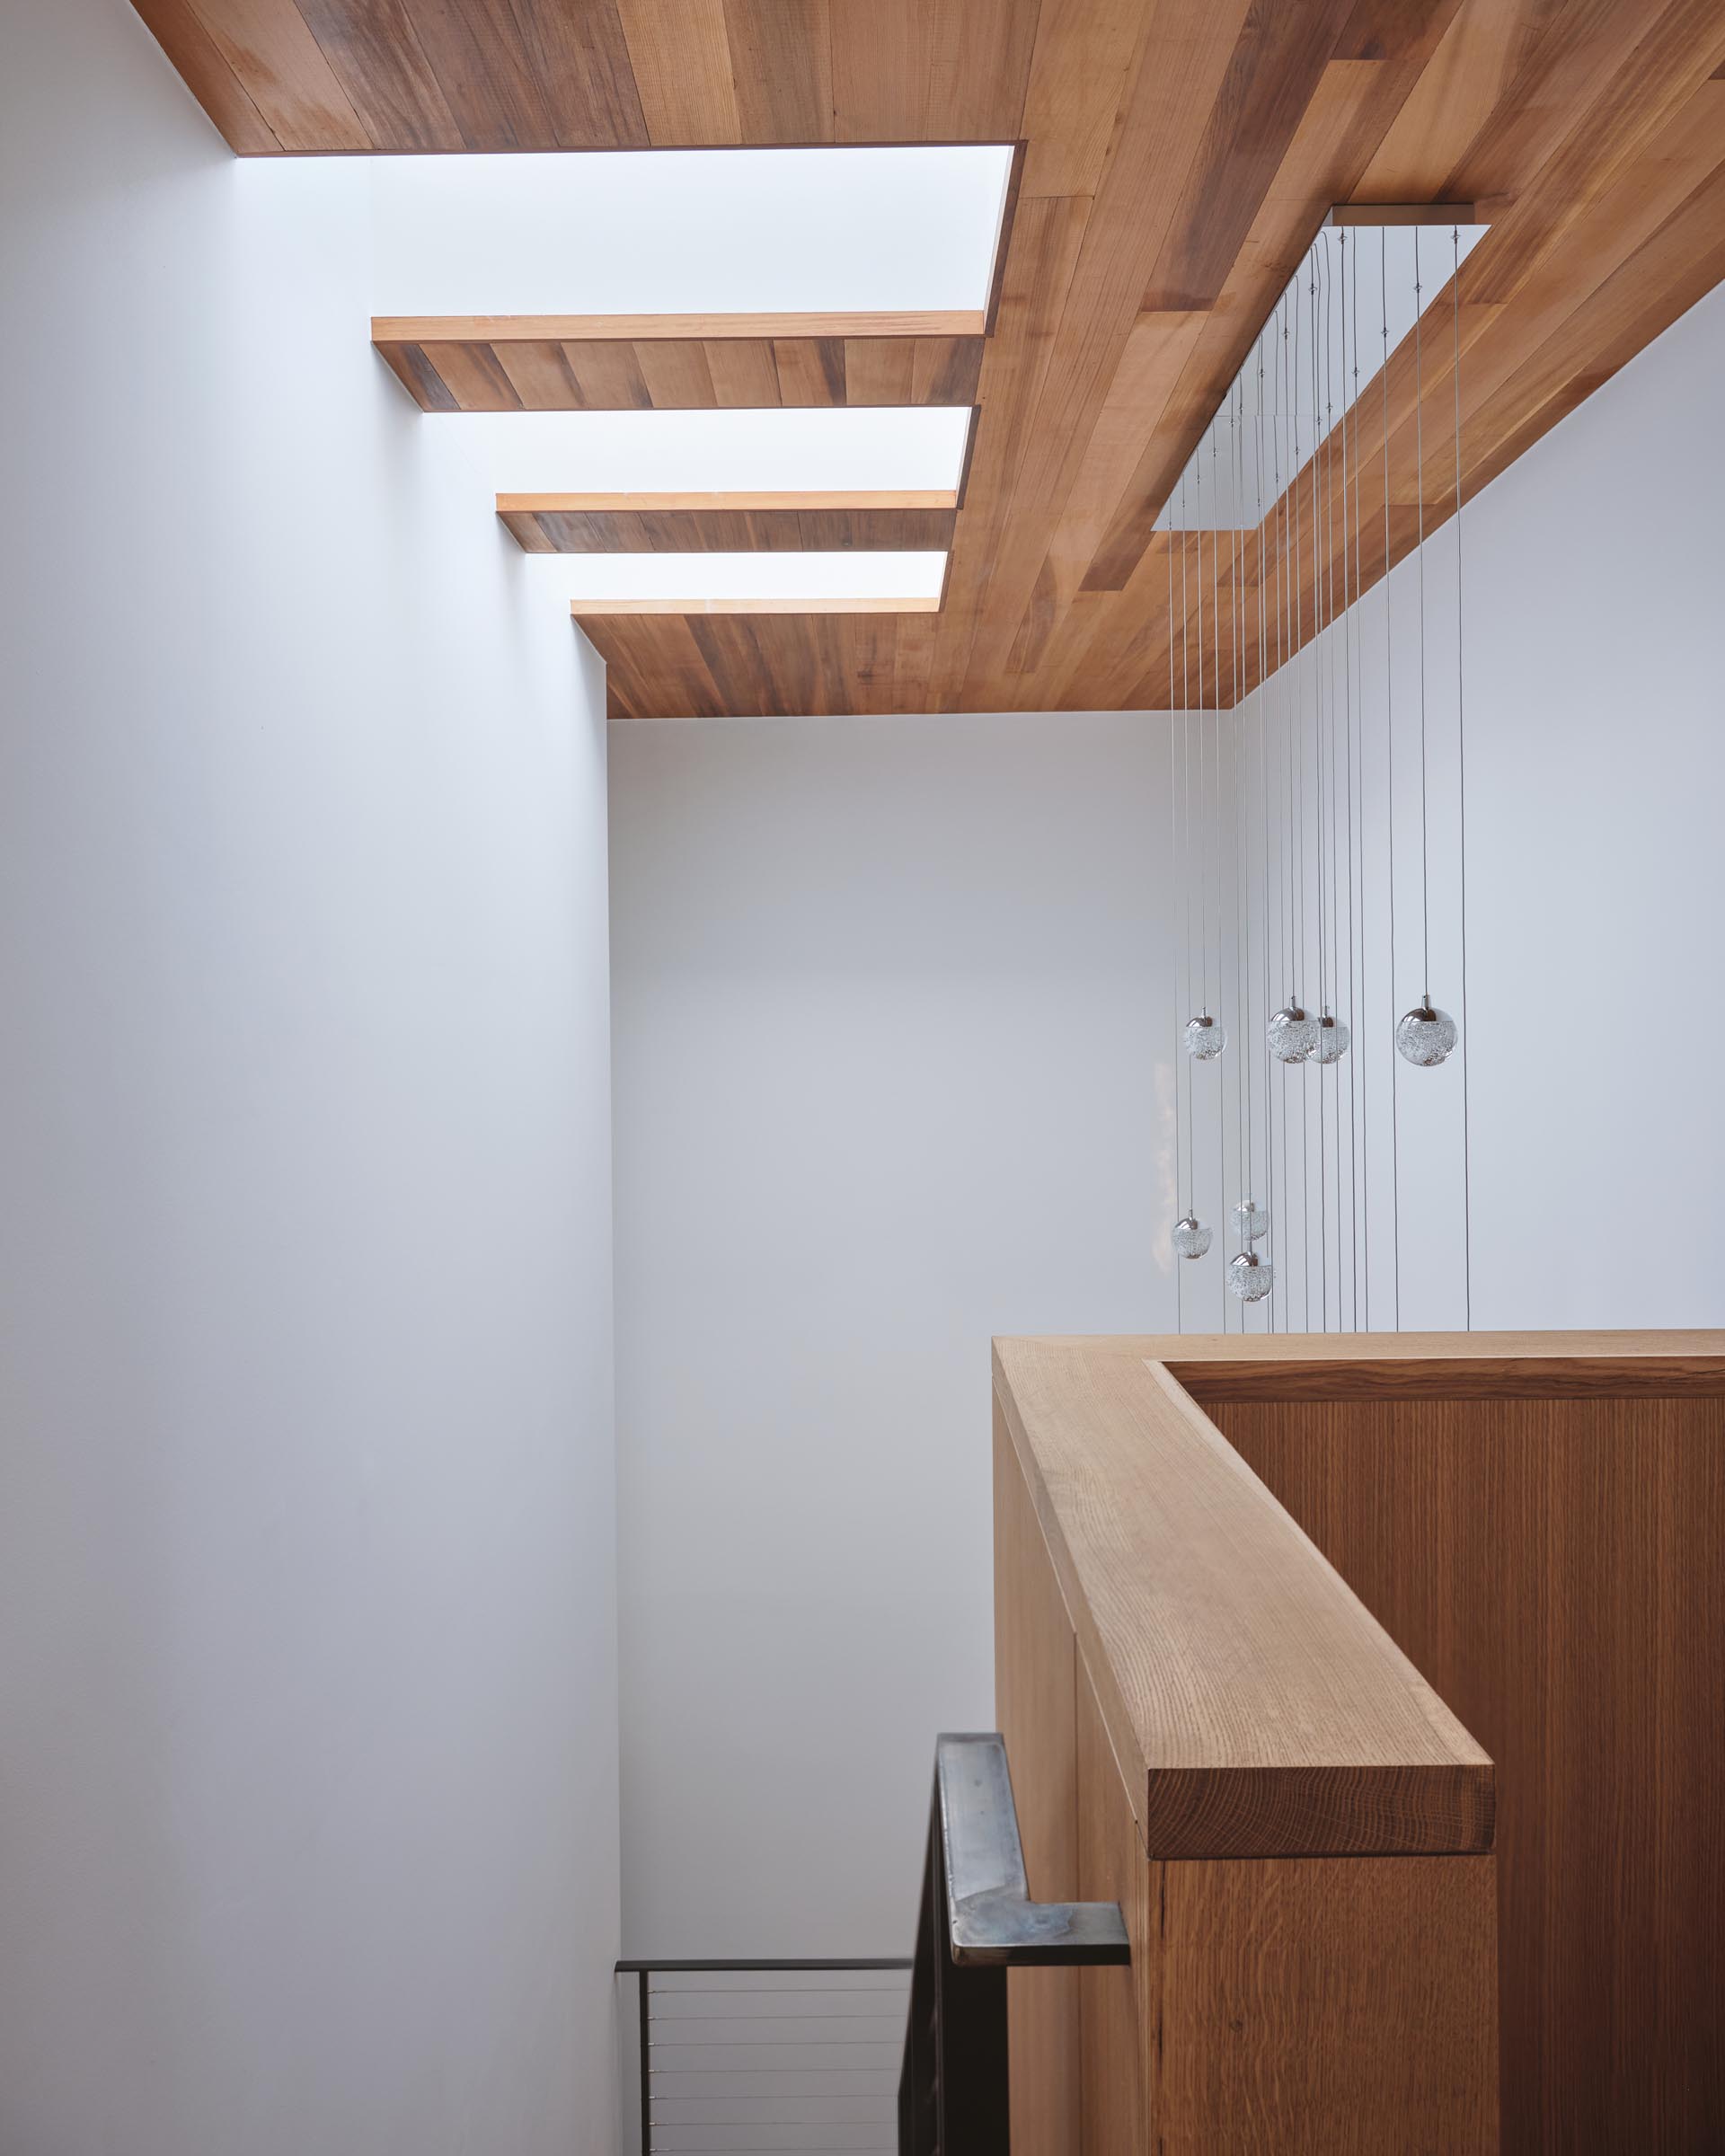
<point x="978" y="1921"/>
<point x="990" y="1915"/>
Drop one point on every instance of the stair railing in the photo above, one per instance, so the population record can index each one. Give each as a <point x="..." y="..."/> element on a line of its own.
<point x="978" y="1921"/>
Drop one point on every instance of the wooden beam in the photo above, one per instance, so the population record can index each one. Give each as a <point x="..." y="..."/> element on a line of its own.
<point x="634" y="328"/>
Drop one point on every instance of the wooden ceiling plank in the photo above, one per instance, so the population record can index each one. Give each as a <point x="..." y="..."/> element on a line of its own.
<point x="907" y="71"/>
<point x="497" y="328"/>
<point x="375" y="52"/>
<point x="1451" y="101"/>
<point x="475" y="51"/>
<point x="1086" y="52"/>
<point x="782" y="69"/>
<point x="607" y="375"/>
<point x="680" y="51"/>
<point x="268" y="47"/>
<point x="582" y="58"/>
<point x="879" y="370"/>
<point x="810" y="370"/>
<point x="744" y="377"/>
<point x="677" y="373"/>
<point x="540" y="374"/>
<point x="1048" y="236"/>
<point x="1164" y="130"/>
<point x="944" y="370"/>
<point x="476" y="380"/>
<point x="208" y="74"/>
<point x="419" y="377"/>
<point x="1665" y="68"/>
<point x="1568" y="61"/>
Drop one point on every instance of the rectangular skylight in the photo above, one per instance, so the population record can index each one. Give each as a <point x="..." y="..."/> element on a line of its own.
<point x="826" y="449"/>
<point x="787" y="582"/>
<point x="904" y="228"/>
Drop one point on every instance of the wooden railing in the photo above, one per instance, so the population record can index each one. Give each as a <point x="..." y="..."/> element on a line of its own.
<point x="1225" y="1571"/>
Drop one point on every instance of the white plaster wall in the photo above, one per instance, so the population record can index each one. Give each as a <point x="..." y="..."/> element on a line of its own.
<point x="892" y="1011"/>
<point x="308" y="1806"/>
<point x="889" y="1001"/>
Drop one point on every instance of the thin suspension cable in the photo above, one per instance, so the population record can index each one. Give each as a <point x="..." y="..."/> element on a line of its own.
<point x="1262" y="1046"/>
<point x="1298" y="630"/>
<point x="1350" y="467"/>
<point x="1214" y="835"/>
<point x="1204" y="877"/>
<point x="1461" y="784"/>
<point x="1389" y="734"/>
<point x="1321" y="663"/>
<point x="1175" y="863"/>
<point x="1420" y="502"/>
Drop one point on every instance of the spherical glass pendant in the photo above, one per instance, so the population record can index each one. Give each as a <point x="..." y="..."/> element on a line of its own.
<point x="1330" y="1040"/>
<point x="1192" y="1238"/>
<point x="1204" y="1038"/>
<point x="1425" y="1034"/>
<point x="1292" y="1032"/>
<point x="1249" y="1277"/>
<point x="1251" y="1220"/>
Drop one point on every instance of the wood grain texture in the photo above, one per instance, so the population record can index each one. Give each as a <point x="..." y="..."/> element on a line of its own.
<point x="1035" y="1665"/>
<point x="1553" y="1564"/>
<point x="597" y="371"/>
<point x="1253" y="1702"/>
<point x="727" y="528"/>
<point x="1176" y="162"/>
<point x="1326" y="2007"/>
<point x="1338" y="2003"/>
<point x="1117" y="2033"/>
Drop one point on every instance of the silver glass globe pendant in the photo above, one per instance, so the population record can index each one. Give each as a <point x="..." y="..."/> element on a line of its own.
<point x="1329" y="1039"/>
<point x="1291" y="1032"/>
<point x="1251" y="1220"/>
<point x="1191" y="1237"/>
<point x="1204" y="1039"/>
<point x="1249" y="1277"/>
<point x="1425" y="1034"/>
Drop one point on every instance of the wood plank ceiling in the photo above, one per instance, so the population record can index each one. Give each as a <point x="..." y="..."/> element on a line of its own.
<point x="1179" y="155"/>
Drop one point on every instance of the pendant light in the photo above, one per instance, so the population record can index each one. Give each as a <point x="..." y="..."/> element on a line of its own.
<point x="1425" y="1034"/>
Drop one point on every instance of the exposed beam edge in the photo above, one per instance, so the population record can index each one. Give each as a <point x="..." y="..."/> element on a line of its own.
<point x="598" y="609"/>
<point x="1404" y="213"/>
<point x="578" y="505"/>
<point x="521" y="328"/>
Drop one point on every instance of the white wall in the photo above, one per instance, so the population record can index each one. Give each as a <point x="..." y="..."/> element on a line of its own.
<point x="892" y="1007"/>
<point x="888" y="1008"/>
<point x="307" y="1692"/>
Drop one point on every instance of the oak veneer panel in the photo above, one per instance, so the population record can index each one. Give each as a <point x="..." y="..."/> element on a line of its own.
<point x="1035" y="1662"/>
<point x="1339" y="2006"/>
<point x="1255" y="1703"/>
<point x="1554" y="1566"/>
<point x="1116" y="2028"/>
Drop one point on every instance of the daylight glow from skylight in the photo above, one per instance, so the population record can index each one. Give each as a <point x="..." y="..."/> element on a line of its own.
<point x="636" y="231"/>
<point x="841" y="449"/>
<point x="854" y="574"/>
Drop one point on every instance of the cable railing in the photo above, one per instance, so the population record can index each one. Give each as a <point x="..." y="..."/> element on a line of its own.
<point x="804" y="2058"/>
<point x="767" y="2058"/>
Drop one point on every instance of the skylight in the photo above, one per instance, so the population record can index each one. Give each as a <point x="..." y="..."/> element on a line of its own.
<point x="637" y="231"/>
<point x="664" y="583"/>
<point x="838" y="449"/>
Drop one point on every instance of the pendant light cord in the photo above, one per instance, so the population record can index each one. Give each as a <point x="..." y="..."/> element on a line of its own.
<point x="1461" y="782"/>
